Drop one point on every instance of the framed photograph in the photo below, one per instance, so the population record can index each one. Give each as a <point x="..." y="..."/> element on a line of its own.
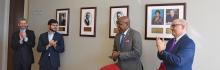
<point x="88" y="21"/>
<point x="115" y="13"/>
<point x="159" y="18"/>
<point x="62" y="16"/>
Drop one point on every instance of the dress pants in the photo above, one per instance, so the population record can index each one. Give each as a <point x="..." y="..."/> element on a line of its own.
<point x="22" y="66"/>
<point x="48" y="66"/>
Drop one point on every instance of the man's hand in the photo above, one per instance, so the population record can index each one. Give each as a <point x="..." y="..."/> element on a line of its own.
<point x="52" y="43"/>
<point x="114" y="55"/>
<point x="160" y="44"/>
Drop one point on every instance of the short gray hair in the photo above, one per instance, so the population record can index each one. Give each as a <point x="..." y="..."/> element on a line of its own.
<point x="180" y="21"/>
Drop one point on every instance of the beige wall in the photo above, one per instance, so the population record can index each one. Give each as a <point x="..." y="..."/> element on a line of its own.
<point x="90" y="53"/>
<point x="1" y="29"/>
<point x="4" y="16"/>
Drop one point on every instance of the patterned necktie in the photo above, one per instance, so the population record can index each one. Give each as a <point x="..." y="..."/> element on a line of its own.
<point x="122" y="40"/>
<point x="173" y="45"/>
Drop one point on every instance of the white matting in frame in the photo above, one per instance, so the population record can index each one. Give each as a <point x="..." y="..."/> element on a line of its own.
<point x="115" y="13"/>
<point x="160" y="27"/>
<point x="88" y="21"/>
<point x="62" y="16"/>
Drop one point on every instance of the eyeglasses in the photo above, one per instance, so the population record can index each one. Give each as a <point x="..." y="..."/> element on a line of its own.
<point x="174" y="25"/>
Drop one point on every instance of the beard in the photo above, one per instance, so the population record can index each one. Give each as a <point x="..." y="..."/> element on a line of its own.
<point x="53" y="29"/>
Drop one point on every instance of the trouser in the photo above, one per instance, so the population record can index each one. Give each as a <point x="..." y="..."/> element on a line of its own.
<point x="22" y="66"/>
<point x="48" y="66"/>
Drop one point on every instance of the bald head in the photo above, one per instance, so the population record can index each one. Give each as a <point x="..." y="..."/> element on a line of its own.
<point x="124" y="19"/>
<point x="123" y="23"/>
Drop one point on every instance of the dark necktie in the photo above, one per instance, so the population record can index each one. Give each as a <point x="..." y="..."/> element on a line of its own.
<point x="122" y="40"/>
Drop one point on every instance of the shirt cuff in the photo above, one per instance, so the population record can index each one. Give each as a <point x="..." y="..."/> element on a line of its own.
<point x="21" y="41"/>
<point x="25" y="39"/>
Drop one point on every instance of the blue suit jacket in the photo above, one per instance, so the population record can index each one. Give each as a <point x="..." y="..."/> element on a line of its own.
<point x="181" y="57"/>
<point x="54" y="52"/>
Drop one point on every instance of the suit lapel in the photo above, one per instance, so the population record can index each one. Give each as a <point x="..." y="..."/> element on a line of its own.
<point x="178" y="44"/>
<point x="27" y="32"/>
<point x="46" y="38"/>
<point x="118" y="40"/>
<point x="128" y="33"/>
<point x="54" y="36"/>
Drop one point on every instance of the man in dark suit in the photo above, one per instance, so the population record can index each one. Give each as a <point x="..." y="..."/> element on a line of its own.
<point x="23" y="41"/>
<point x="127" y="46"/>
<point x="178" y="54"/>
<point x="50" y="44"/>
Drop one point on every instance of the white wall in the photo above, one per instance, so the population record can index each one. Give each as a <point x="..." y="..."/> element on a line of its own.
<point x="4" y="9"/>
<point x="90" y="53"/>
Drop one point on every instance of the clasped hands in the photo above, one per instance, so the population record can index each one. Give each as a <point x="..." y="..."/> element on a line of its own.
<point x="52" y="43"/>
<point x="22" y="35"/>
<point x="115" y="55"/>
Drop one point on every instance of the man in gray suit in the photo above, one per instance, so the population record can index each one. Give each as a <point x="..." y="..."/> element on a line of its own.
<point x="127" y="46"/>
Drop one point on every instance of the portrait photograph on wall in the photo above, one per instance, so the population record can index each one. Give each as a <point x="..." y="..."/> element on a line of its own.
<point x="159" y="17"/>
<point x="88" y="21"/>
<point x="115" y="13"/>
<point x="62" y="16"/>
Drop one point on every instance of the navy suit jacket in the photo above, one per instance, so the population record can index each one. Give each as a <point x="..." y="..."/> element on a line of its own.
<point x="181" y="57"/>
<point x="54" y="52"/>
<point x="23" y="52"/>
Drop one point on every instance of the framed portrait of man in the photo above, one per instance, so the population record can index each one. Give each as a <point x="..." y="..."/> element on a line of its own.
<point x="159" y="18"/>
<point x="88" y="21"/>
<point x="62" y="16"/>
<point x="115" y="13"/>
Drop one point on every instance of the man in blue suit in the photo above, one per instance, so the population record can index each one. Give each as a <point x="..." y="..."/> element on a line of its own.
<point x="50" y="44"/>
<point x="23" y="41"/>
<point x="178" y="54"/>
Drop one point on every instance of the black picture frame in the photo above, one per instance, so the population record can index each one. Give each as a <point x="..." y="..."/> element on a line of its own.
<point x="62" y="16"/>
<point x="161" y="27"/>
<point x="115" y="13"/>
<point x="88" y="22"/>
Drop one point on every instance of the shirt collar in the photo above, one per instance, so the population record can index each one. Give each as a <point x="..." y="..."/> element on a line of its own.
<point x="178" y="38"/>
<point x="126" y="31"/>
<point x="51" y="32"/>
<point x="23" y="30"/>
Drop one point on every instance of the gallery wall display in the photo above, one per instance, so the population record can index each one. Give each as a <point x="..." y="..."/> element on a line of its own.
<point x="62" y="16"/>
<point x="159" y="18"/>
<point x="115" y="13"/>
<point x="88" y="21"/>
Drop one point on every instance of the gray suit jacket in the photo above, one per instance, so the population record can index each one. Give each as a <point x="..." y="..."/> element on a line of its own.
<point x="131" y="52"/>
